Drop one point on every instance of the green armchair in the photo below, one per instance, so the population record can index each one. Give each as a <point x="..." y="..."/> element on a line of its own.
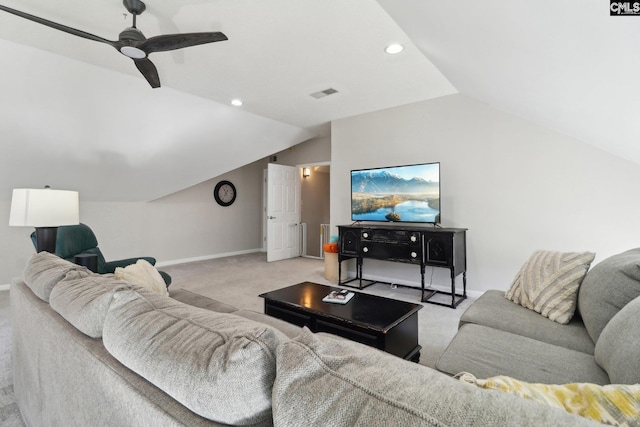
<point x="79" y="239"/>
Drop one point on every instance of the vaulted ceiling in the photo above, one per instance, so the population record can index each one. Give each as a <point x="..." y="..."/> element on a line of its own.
<point x="76" y="114"/>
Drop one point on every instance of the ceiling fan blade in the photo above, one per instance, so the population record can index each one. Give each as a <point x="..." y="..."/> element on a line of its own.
<point x="149" y="71"/>
<point x="178" y="41"/>
<point x="57" y="26"/>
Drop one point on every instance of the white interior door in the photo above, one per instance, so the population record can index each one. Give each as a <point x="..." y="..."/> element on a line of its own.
<point x="283" y="212"/>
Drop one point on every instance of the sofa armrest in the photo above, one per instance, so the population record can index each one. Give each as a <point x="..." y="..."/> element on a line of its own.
<point x="111" y="265"/>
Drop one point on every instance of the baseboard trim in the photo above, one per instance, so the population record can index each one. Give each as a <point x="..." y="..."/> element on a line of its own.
<point x="5" y="287"/>
<point x="206" y="257"/>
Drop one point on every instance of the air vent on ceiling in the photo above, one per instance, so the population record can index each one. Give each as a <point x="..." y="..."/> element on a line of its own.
<point x="324" y="93"/>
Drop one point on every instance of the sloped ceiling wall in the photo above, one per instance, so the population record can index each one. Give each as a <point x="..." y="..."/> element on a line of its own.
<point x="143" y="143"/>
<point x="567" y="66"/>
<point x="76" y="114"/>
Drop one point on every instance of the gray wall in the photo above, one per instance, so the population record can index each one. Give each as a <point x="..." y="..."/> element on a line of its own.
<point x="185" y="226"/>
<point x="517" y="187"/>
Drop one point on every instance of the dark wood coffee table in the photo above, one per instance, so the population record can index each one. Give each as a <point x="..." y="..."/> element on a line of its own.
<point x="384" y="323"/>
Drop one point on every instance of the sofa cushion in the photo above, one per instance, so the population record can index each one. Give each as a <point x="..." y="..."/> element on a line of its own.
<point x="548" y="283"/>
<point x="201" y="301"/>
<point x="486" y="352"/>
<point x="219" y="365"/>
<point x="324" y="381"/>
<point x="617" y="404"/>
<point x="618" y="349"/>
<point x="289" y="329"/>
<point x="45" y="270"/>
<point x="521" y="321"/>
<point x="608" y="287"/>
<point x="83" y="300"/>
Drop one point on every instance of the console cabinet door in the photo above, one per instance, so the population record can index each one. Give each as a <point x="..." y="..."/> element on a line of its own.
<point x="438" y="248"/>
<point x="349" y="240"/>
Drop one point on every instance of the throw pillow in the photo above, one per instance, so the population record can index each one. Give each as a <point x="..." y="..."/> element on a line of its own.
<point x="548" y="283"/>
<point x="143" y="274"/>
<point x="613" y="404"/>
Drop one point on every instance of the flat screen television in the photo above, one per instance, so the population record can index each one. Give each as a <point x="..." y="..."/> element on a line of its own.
<point x="409" y="193"/>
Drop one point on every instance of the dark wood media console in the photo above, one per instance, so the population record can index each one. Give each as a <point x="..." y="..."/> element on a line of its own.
<point x="418" y="245"/>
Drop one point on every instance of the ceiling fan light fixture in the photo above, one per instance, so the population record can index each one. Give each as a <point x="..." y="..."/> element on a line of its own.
<point x="133" y="52"/>
<point x="394" y="48"/>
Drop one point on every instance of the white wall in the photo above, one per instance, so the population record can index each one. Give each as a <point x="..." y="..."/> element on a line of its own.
<point x="517" y="187"/>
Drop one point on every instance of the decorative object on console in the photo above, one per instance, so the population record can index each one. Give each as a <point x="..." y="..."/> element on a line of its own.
<point x="225" y="193"/>
<point x="45" y="209"/>
<point x="548" y="283"/>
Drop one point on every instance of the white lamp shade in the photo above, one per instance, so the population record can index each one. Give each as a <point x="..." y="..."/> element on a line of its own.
<point x="44" y="207"/>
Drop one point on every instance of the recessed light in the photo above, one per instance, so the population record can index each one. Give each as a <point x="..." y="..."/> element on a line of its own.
<point x="392" y="49"/>
<point x="236" y="102"/>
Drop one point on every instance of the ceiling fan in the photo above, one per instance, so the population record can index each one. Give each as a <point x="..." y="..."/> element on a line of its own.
<point x="132" y="43"/>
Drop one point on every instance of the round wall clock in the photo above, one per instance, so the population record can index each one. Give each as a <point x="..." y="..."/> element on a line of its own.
<point x="224" y="193"/>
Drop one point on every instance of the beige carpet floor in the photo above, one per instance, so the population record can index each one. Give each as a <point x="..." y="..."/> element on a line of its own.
<point x="240" y="279"/>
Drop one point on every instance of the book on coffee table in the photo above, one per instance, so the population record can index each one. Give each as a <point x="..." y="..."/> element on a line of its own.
<point x="338" y="297"/>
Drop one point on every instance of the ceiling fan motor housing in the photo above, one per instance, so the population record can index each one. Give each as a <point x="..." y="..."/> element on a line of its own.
<point x="135" y="7"/>
<point x="132" y="34"/>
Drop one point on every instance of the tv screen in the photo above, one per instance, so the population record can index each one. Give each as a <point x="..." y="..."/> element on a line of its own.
<point x="408" y="193"/>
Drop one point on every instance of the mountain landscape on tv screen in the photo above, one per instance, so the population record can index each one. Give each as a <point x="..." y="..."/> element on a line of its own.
<point x="378" y="195"/>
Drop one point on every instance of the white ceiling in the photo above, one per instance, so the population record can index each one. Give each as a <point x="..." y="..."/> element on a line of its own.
<point x="76" y="114"/>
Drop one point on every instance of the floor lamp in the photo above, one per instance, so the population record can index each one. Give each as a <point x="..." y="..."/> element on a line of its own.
<point x="45" y="209"/>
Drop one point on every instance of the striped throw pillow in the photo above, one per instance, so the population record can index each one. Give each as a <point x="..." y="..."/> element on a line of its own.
<point x="548" y="283"/>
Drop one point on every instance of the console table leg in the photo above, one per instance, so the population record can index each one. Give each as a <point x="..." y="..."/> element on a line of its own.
<point x="453" y="289"/>
<point x="464" y="284"/>
<point x="422" y="282"/>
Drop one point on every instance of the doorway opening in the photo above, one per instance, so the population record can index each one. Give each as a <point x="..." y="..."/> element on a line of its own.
<point x="315" y="212"/>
